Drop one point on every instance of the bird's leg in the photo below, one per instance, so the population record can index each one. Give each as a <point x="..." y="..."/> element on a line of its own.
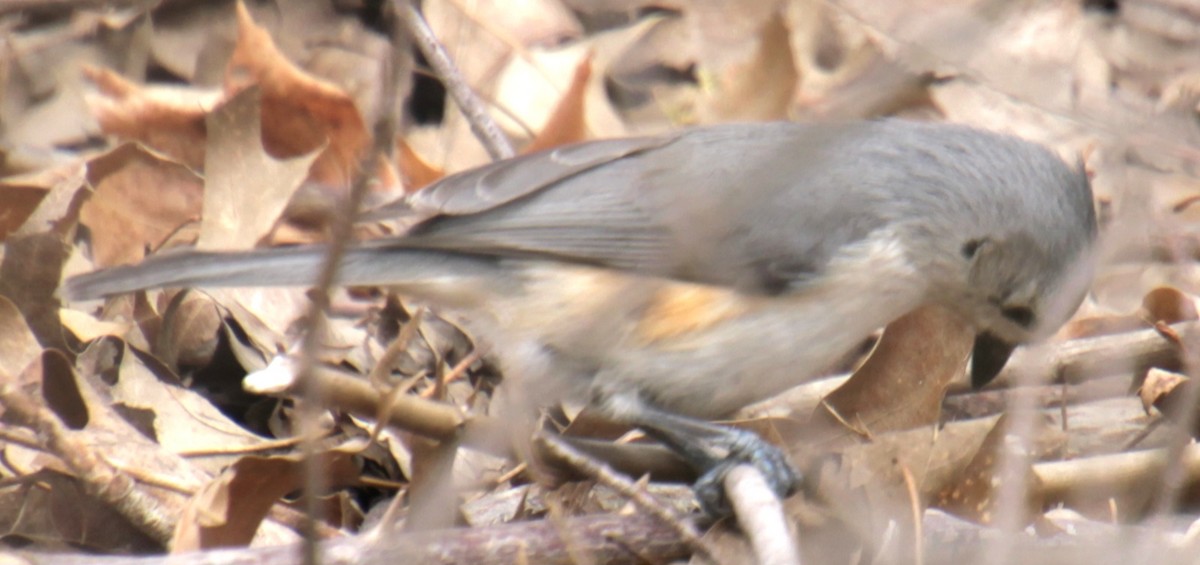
<point x="713" y="450"/>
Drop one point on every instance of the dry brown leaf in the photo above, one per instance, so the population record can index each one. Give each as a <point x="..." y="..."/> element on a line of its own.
<point x="59" y="509"/>
<point x="58" y="211"/>
<point x="415" y="171"/>
<point x="1168" y="305"/>
<point x="18" y="346"/>
<point x="260" y="322"/>
<point x="901" y="385"/>
<point x="245" y="189"/>
<point x="140" y="199"/>
<point x="300" y="112"/>
<point x="86" y="328"/>
<point x="567" y="123"/>
<point x="1162" y="304"/>
<point x="1167" y="391"/>
<point x="523" y="23"/>
<point x="974" y="492"/>
<point x="30" y="271"/>
<point x="193" y="40"/>
<point x="170" y="120"/>
<point x="17" y="203"/>
<point x="746" y="65"/>
<point x="128" y="317"/>
<point x="866" y="486"/>
<point x="263" y="316"/>
<point x="114" y="434"/>
<point x="187" y="334"/>
<point x="178" y="418"/>
<point x="228" y="510"/>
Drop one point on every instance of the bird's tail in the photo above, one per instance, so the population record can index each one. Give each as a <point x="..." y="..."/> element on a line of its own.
<point x="291" y="266"/>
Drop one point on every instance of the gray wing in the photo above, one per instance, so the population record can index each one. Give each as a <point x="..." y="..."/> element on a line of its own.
<point x="489" y="186"/>
<point x="759" y="206"/>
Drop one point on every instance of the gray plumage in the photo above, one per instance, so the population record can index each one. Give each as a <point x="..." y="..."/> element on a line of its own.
<point x="690" y="274"/>
<point x="756" y="205"/>
<point x="850" y="224"/>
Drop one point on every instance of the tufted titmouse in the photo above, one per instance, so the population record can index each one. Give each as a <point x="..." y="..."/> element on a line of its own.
<point x="684" y="276"/>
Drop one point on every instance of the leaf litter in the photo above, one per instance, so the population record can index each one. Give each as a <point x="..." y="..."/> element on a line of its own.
<point x="155" y="138"/>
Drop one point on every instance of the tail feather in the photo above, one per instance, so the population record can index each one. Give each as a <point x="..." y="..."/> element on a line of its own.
<point x="291" y="266"/>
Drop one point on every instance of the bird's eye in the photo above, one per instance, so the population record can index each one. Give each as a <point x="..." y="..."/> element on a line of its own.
<point x="970" y="248"/>
<point x="1019" y="315"/>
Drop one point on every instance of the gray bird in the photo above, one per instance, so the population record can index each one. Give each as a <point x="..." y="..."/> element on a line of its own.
<point x="667" y="280"/>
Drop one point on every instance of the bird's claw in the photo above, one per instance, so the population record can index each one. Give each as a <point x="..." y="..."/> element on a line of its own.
<point x="745" y="448"/>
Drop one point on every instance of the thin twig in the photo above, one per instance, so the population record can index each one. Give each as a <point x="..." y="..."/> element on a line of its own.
<point x="604" y="538"/>
<point x="399" y="346"/>
<point x="352" y="394"/>
<point x="98" y="477"/>
<point x="642" y="499"/>
<point x="458" y="370"/>
<point x="482" y="124"/>
<point x="1174" y="475"/>
<point x="760" y="516"/>
<point x="914" y="504"/>
<point x="1111" y="475"/>
<point x="341" y="232"/>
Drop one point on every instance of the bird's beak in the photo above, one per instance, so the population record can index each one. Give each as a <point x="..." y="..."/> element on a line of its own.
<point x="988" y="358"/>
